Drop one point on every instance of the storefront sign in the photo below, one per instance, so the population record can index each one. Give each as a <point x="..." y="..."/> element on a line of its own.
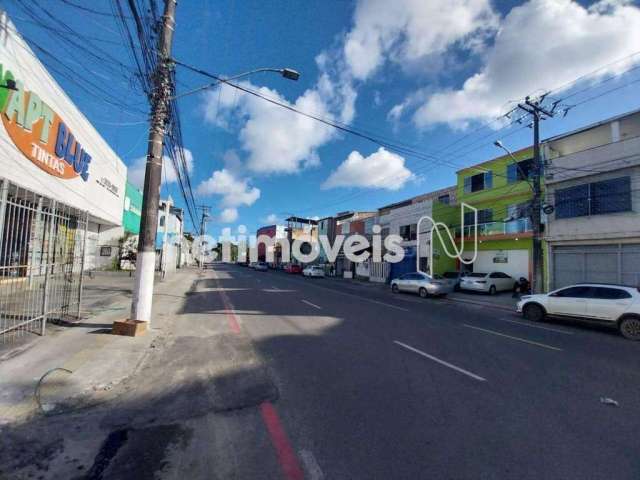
<point x="39" y="132"/>
<point x="501" y="257"/>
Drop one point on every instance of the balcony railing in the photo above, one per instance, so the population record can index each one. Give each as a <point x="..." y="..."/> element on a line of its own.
<point x="498" y="228"/>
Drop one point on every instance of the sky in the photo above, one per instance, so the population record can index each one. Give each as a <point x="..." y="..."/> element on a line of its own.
<point x="432" y="76"/>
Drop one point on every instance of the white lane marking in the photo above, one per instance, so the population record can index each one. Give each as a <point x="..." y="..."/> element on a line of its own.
<point x="530" y="342"/>
<point x="364" y="299"/>
<point x="312" y="304"/>
<point x="441" y="362"/>
<point x="311" y="465"/>
<point x="516" y="322"/>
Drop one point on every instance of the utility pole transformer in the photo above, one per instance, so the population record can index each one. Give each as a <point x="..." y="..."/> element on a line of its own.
<point x="160" y="97"/>
<point x="535" y="109"/>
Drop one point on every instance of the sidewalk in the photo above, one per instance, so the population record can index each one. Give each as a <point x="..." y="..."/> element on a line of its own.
<point x="96" y="359"/>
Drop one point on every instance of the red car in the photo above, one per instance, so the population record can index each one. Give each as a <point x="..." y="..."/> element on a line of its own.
<point x="293" y="268"/>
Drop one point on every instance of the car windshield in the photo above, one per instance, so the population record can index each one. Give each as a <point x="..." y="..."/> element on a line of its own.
<point x="477" y="275"/>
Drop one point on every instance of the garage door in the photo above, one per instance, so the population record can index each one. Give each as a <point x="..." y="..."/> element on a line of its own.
<point x="511" y="262"/>
<point x="616" y="263"/>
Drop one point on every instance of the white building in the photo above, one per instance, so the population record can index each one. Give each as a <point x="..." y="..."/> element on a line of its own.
<point x="593" y="183"/>
<point x="170" y="237"/>
<point x="60" y="185"/>
<point x="402" y="219"/>
<point x="49" y="149"/>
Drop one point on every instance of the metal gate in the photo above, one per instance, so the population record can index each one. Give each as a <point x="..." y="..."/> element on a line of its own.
<point x="615" y="263"/>
<point x="42" y="250"/>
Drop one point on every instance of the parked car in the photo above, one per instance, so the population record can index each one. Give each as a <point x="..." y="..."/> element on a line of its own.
<point x="453" y="279"/>
<point x="293" y="268"/>
<point x="313" y="271"/>
<point x="261" y="266"/>
<point x="422" y="284"/>
<point x="617" y="305"/>
<point x="490" y="283"/>
<point x="252" y="264"/>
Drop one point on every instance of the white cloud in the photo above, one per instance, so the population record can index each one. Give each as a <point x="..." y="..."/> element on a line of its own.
<point x="278" y="140"/>
<point x="228" y="215"/>
<point x="234" y="191"/>
<point x="540" y="45"/>
<point x="272" y="218"/>
<point x="408" y="31"/>
<point x="136" y="171"/>
<point x="381" y="169"/>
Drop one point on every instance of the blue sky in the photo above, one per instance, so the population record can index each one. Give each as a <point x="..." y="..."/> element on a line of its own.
<point x="420" y="73"/>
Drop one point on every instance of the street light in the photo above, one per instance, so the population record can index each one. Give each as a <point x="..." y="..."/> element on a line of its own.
<point x="288" y="73"/>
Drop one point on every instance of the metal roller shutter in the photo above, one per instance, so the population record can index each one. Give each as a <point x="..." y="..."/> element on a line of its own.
<point x="616" y="263"/>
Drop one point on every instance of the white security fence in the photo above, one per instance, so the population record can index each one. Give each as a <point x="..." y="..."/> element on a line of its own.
<point x="42" y="251"/>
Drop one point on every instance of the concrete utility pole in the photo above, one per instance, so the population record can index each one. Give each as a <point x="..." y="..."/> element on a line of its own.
<point x="203" y="227"/>
<point x="146" y="258"/>
<point x="535" y="109"/>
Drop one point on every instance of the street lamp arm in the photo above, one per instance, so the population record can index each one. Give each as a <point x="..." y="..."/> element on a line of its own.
<point x="501" y="146"/>
<point x="287" y="73"/>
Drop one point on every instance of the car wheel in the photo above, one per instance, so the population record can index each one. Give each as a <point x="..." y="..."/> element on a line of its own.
<point x="533" y="312"/>
<point x="423" y="293"/>
<point x="394" y="288"/>
<point x="630" y="328"/>
<point x="492" y="290"/>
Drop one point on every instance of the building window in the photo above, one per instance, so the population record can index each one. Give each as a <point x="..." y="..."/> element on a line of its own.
<point x="162" y="221"/>
<point x="522" y="170"/>
<point x="444" y="199"/>
<point x="478" y="182"/>
<point x="105" y="251"/>
<point x="408" y="232"/>
<point x="607" y="196"/>
<point x="484" y="216"/>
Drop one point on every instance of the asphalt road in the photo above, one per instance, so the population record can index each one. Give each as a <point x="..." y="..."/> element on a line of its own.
<point x="266" y="375"/>
<point x="380" y="386"/>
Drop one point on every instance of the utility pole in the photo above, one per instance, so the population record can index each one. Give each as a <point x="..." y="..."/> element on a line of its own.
<point x="146" y="258"/>
<point x="203" y="227"/>
<point x="537" y="112"/>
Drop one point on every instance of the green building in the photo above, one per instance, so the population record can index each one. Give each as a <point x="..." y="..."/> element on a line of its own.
<point x="500" y="190"/>
<point x="132" y="209"/>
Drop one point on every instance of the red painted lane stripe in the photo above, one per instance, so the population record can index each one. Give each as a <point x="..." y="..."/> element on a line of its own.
<point x="234" y="325"/>
<point x="286" y="456"/>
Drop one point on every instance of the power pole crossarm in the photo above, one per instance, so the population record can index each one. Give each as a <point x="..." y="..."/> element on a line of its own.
<point x="146" y="259"/>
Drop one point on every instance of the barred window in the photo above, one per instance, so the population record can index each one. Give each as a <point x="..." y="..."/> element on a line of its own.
<point x="611" y="196"/>
<point x="607" y="196"/>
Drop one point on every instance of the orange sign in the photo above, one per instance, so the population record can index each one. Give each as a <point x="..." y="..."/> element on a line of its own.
<point x="40" y="134"/>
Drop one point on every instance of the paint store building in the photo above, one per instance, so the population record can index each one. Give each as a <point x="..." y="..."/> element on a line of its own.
<point x="61" y="185"/>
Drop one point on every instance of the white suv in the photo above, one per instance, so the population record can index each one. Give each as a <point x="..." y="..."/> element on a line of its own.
<point x="613" y="304"/>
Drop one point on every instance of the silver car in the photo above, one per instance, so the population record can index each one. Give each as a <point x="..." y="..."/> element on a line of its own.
<point x="490" y="283"/>
<point x="422" y="284"/>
